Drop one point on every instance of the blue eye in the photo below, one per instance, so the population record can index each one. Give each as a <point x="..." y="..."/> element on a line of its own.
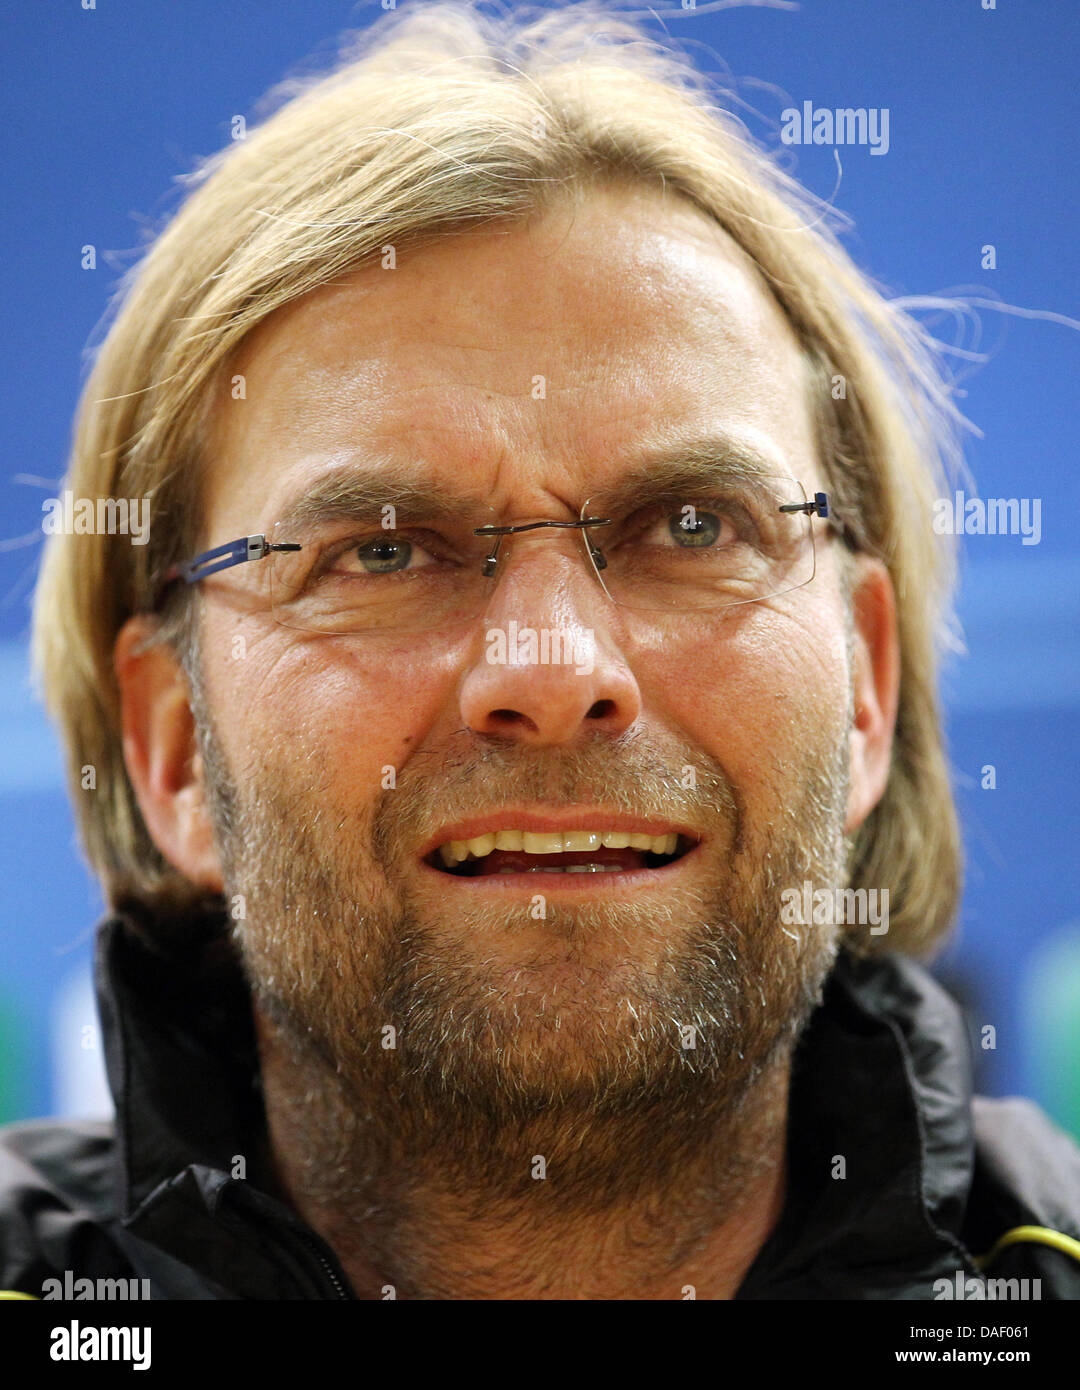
<point x="703" y="525"/>
<point x="384" y="556"/>
<point x="693" y="529"/>
<point x="380" y="554"/>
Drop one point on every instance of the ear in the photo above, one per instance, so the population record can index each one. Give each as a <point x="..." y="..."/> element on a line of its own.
<point x="161" y="753"/>
<point x="876" y="679"/>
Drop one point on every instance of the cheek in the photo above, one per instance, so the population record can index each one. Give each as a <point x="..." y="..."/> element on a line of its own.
<point x="758" y="691"/>
<point x="338" y="711"/>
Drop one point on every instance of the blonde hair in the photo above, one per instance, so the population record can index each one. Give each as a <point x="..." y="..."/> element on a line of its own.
<point x="433" y="120"/>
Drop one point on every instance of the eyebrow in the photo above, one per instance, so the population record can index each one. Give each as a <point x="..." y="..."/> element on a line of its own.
<point x="356" y="491"/>
<point x="359" y="490"/>
<point x="672" y="471"/>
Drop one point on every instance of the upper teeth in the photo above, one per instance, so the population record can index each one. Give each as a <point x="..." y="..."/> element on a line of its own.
<point x="554" y="842"/>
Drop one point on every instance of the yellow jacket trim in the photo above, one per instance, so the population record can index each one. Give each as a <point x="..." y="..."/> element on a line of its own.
<point x="1041" y="1235"/>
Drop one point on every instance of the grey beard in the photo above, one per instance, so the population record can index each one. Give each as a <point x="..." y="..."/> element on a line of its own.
<point x="489" y="1070"/>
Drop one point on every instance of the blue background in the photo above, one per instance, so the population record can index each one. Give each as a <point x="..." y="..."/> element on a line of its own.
<point x="102" y="109"/>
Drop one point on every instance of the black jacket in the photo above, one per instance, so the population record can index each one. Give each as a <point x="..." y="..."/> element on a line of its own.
<point x="932" y="1177"/>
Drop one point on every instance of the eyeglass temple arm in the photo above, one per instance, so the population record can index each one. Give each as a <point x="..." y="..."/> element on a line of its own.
<point x="222" y="557"/>
<point x="820" y="506"/>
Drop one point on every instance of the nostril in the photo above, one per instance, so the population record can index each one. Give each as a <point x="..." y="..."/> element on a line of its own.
<point x="509" y="716"/>
<point x="601" y="709"/>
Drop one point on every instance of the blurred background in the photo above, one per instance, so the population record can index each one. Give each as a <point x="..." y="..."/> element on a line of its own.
<point x="103" y="107"/>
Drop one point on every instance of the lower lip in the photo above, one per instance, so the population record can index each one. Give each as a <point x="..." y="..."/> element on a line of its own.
<point x="540" y="882"/>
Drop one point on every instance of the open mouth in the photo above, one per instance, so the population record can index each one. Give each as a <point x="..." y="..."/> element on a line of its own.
<point x="565" y="852"/>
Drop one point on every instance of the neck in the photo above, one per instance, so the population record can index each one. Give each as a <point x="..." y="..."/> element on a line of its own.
<point x="563" y="1205"/>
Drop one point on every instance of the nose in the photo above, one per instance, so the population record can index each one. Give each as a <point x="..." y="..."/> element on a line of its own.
<point x="550" y="667"/>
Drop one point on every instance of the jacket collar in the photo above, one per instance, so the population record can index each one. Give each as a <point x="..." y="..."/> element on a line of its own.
<point x="880" y="1137"/>
<point x="881" y="1144"/>
<point x="182" y="1064"/>
<point x="179" y="1048"/>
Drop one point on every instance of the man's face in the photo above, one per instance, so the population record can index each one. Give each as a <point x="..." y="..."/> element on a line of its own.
<point x="336" y="762"/>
